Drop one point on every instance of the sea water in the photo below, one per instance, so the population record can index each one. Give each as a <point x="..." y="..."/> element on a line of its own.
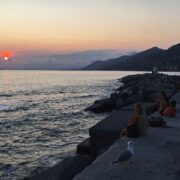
<point x="42" y="116"/>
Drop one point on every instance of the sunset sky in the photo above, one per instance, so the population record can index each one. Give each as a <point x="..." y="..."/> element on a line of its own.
<point x="78" y="25"/>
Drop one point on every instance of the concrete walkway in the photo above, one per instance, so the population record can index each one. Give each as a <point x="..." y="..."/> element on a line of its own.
<point x="157" y="157"/>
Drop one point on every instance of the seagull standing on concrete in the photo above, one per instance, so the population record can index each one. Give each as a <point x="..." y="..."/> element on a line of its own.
<point x="125" y="155"/>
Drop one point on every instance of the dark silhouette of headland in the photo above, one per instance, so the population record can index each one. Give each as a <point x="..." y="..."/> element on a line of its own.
<point x="165" y="60"/>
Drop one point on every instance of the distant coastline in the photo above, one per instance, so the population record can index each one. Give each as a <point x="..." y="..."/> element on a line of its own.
<point x="165" y="60"/>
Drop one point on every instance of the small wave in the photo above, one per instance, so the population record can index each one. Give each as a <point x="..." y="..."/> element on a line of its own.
<point x="16" y="109"/>
<point x="43" y="93"/>
<point x="5" y="166"/>
<point x="74" y="123"/>
<point x="8" y="169"/>
<point x="6" y="95"/>
<point x="61" y="92"/>
<point x="85" y="96"/>
<point x="3" y="107"/>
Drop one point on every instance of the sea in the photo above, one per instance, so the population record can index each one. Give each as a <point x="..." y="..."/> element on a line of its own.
<point x="42" y="117"/>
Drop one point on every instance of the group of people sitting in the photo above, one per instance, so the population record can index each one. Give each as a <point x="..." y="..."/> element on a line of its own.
<point x="166" y="108"/>
<point x="138" y="123"/>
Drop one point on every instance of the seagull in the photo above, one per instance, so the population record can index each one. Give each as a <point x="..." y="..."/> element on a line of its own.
<point x="125" y="155"/>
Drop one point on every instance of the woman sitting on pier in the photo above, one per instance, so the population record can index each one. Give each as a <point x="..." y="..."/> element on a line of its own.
<point x="171" y="110"/>
<point x="137" y="123"/>
<point x="163" y="102"/>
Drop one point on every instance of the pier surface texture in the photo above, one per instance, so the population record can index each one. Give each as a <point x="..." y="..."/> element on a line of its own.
<point x="156" y="156"/>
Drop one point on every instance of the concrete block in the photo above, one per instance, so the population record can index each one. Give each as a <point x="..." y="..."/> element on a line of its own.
<point x="65" y="170"/>
<point x="108" y="130"/>
<point x="84" y="148"/>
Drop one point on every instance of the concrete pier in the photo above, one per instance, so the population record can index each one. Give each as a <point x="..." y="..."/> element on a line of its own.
<point x="156" y="157"/>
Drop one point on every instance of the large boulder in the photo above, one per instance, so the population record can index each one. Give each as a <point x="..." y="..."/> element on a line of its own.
<point x="133" y="99"/>
<point x="107" y="131"/>
<point x="99" y="106"/>
<point x="119" y="102"/>
<point x="149" y="108"/>
<point x="65" y="170"/>
<point x="152" y="94"/>
<point x="84" y="148"/>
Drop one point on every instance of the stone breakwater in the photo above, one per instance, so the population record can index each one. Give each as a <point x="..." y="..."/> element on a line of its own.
<point x="156" y="156"/>
<point x="143" y="88"/>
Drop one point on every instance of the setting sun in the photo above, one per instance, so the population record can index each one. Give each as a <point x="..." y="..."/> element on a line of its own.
<point x="6" y="58"/>
<point x="6" y="55"/>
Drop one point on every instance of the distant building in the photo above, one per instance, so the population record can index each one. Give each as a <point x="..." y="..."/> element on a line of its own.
<point x="155" y="70"/>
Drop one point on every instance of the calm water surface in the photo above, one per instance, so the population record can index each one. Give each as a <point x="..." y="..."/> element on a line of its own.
<point x="42" y="116"/>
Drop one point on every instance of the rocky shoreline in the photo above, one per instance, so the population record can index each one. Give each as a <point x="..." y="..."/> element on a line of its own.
<point x="142" y="88"/>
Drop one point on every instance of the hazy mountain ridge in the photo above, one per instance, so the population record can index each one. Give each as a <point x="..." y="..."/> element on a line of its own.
<point x="57" y="61"/>
<point x="165" y="60"/>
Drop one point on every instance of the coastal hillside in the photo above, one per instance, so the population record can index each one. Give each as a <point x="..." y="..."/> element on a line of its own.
<point x="165" y="60"/>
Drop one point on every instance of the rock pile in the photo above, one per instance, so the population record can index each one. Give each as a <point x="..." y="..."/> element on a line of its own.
<point x="136" y="88"/>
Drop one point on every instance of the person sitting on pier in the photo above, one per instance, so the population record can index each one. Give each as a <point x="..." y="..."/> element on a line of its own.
<point x="163" y="102"/>
<point x="171" y="110"/>
<point x="137" y="123"/>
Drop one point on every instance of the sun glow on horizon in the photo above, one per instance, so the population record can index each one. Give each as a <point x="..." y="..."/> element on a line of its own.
<point x="6" y="55"/>
<point x="6" y="58"/>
